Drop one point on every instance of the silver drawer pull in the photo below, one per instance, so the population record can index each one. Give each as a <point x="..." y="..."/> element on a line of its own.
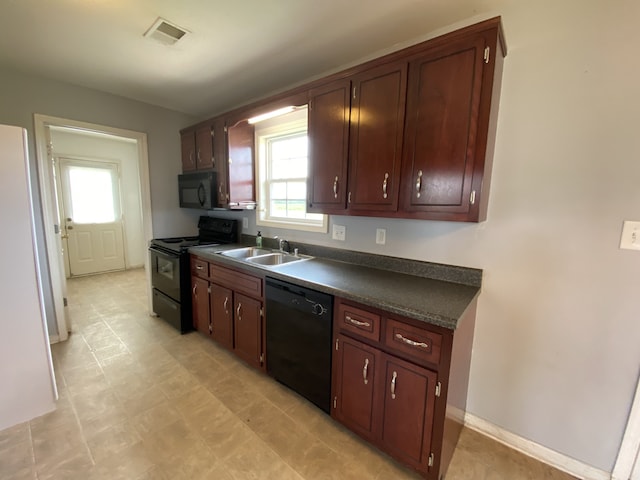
<point x="413" y="343"/>
<point x="226" y="302"/>
<point x="356" y="322"/>
<point x="238" y="311"/>
<point x="364" y="371"/>
<point x="335" y="188"/>
<point x="393" y="385"/>
<point x="419" y="184"/>
<point x="199" y="267"/>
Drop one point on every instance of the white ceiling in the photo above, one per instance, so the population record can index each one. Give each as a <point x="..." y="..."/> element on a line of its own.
<point x="237" y="49"/>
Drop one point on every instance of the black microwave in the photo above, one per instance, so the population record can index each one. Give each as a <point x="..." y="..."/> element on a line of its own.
<point x="198" y="190"/>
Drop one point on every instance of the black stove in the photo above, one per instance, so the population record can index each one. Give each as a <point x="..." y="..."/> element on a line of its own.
<point x="170" y="269"/>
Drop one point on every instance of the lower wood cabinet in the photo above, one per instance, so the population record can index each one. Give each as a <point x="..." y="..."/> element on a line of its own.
<point x="401" y="384"/>
<point x="229" y="308"/>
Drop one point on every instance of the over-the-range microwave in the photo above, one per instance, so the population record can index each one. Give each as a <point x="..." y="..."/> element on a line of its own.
<point x="198" y="190"/>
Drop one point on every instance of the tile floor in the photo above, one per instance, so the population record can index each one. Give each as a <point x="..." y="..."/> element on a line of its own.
<point x="139" y="401"/>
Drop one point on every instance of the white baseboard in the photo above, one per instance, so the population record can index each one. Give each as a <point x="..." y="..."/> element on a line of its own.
<point x="535" y="450"/>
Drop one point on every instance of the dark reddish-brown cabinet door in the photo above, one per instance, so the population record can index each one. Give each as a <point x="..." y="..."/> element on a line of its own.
<point x="377" y="120"/>
<point x="443" y="103"/>
<point x="408" y="408"/>
<point x="354" y="366"/>
<point x="204" y="148"/>
<point x="222" y="315"/>
<point x="200" y="312"/>
<point x="328" y="132"/>
<point x="220" y="160"/>
<point x="240" y="142"/>
<point x="248" y="329"/>
<point x="188" y="144"/>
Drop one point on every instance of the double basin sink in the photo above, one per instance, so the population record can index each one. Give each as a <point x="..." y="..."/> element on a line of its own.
<point x="263" y="256"/>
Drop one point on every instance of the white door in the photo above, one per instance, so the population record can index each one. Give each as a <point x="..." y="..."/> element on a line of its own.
<point x="92" y="216"/>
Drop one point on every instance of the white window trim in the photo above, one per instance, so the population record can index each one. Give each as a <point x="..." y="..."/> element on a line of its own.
<point x="263" y="131"/>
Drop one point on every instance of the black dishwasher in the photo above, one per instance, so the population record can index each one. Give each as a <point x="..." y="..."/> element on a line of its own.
<point x="298" y="337"/>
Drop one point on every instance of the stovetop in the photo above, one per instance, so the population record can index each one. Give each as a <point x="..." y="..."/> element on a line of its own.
<point x="212" y="231"/>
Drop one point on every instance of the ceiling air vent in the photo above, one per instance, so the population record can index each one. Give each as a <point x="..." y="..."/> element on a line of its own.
<point x="165" y="32"/>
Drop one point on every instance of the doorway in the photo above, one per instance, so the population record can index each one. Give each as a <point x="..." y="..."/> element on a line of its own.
<point x="48" y="132"/>
<point x="90" y="208"/>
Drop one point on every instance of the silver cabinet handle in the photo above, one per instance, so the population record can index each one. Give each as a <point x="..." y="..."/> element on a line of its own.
<point x="356" y="322"/>
<point x="198" y="156"/>
<point x="195" y="290"/>
<point x="413" y="343"/>
<point x="238" y="311"/>
<point x="199" y="267"/>
<point x="335" y="188"/>
<point x="393" y="385"/>
<point x="419" y="184"/>
<point x="226" y="302"/>
<point x="364" y="371"/>
<point x="384" y="185"/>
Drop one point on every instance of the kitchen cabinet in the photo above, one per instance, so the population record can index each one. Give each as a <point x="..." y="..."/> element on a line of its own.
<point x="328" y="133"/>
<point x="197" y="148"/>
<point x="200" y="295"/>
<point x="395" y="380"/>
<point x="222" y="315"/>
<point x="240" y="168"/>
<point x="448" y="107"/>
<point x="229" y="308"/>
<point x="376" y="128"/>
<point x="248" y="329"/>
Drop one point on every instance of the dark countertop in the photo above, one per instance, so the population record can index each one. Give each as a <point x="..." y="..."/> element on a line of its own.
<point x="434" y="301"/>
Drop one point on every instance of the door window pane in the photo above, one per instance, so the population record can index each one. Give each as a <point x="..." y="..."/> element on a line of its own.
<point x="91" y="191"/>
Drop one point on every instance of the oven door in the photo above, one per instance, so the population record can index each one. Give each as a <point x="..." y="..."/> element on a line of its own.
<point x="165" y="272"/>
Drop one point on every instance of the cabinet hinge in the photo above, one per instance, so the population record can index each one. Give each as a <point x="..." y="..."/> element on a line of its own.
<point x="310" y="106"/>
<point x="225" y="129"/>
<point x="438" y="389"/>
<point x="262" y="313"/>
<point x="261" y="358"/>
<point x="487" y="51"/>
<point x="354" y="93"/>
<point x="335" y="402"/>
<point x="431" y="459"/>
<point x="472" y="197"/>
<point x="337" y="345"/>
<point x="209" y="289"/>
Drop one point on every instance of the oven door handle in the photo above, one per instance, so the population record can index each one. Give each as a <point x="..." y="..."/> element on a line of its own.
<point x="164" y="254"/>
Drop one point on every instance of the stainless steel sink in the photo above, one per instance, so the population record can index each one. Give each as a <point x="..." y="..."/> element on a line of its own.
<point x="276" y="258"/>
<point x="245" y="252"/>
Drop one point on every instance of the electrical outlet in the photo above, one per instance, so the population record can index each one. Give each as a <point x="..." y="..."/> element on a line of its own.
<point x="381" y="236"/>
<point x="630" y="239"/>
<point x="339" y="232"/>
<point x="245" y="223"/>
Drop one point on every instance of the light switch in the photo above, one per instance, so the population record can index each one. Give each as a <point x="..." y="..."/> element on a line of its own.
<point x="381" y="236"/>
<point x="630" y="239"/>
<point x="245" y="223"/>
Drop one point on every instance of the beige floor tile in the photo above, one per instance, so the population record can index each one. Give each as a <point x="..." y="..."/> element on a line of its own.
<point x="139" y="401"/>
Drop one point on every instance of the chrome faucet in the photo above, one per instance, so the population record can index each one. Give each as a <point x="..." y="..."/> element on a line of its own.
<point x="283" y="245"/>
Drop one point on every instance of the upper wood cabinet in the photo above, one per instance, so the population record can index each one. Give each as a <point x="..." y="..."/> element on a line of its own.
<point x="443" y="135"/>
<point x="407" y="135"/>
<point x="328" y="133"/>
<point x="376" y="126"/>
<point x="241" y="191"/>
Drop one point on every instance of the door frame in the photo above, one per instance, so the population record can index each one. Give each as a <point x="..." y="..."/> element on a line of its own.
<point x="50" y="208"/>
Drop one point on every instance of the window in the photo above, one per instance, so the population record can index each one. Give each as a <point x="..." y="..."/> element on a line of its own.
<point x="282" y="174"/>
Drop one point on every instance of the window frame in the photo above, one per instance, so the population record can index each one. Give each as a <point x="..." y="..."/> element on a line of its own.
<point x="286" y="125"/>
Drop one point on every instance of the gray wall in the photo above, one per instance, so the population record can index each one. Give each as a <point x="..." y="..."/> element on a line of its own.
<point x="22" y="95"/>
<point x="555" y="355"/>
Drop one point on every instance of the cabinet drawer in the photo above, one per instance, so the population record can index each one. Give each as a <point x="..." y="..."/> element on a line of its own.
<point x="413" y="341"/>
<point x="361" y="322"/>
<point x="199" y="268"/>
<point x="238" y="281"/>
